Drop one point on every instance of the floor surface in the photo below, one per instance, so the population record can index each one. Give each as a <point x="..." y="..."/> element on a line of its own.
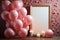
<point x="35" y="38"/>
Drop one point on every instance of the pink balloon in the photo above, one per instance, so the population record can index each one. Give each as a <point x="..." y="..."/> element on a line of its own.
<point x="28" y="20"/>
<point x="15" y="5"/>
<point x="18" y="4"/>
<point x="13" y="15"/>
<point x="22" y="33"/>
<point x="18" y="24"/>
<point x="22" y="12"/>
<point x="10" y="7"/>
<point x="5" y="15"/>
<point x="9" y="33"/>
<point x="5" y="3"/>
<point x="49" y="33"/>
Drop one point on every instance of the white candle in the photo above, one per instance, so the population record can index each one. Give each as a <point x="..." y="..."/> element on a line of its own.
<point x="38" y="34"/>
<point x="43" y="33"/>
<point x="31" y="32"/>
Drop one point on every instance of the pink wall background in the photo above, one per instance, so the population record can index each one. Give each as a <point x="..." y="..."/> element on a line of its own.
<point x="54" y="12"/>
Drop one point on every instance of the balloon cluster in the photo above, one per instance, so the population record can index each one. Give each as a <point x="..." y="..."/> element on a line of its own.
<point x="17" y="20"/>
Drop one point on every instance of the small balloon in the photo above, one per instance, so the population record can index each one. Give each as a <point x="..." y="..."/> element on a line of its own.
<point x="28" y="19"/>
<point x="18" y="24"/>
<point x="18" y="4"/>
<point x="15" y="5"/>
<point x="5" y="3"/>
<point x="22" y="12"/>
<point x="9" y="33"/>
<point x="13" y="15"/>
<point x="5" y="15"/>
<point x="49" y="33"/>
<point x="22" y="33"/>
<point x="10" y="7"/>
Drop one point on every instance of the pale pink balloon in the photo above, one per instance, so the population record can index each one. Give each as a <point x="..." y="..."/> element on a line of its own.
<point x="23" y="33"/>
<point x="9" y="33"/>
<point x="28" y="20"/>
<point x="18" y="24"/>
<point x="49" y="33"/>
<point x="5" y="15"/>
<point x="18" y="4"/>
<point x="13" y="15"/>
<point x="5" y="3"/>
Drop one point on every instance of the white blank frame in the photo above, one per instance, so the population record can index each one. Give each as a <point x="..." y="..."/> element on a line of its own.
<point x="41" y="18"/>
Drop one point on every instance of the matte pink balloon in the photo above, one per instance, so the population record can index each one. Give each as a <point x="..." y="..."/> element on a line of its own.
<point x="5" y="15"/>
<point x="22" y="33"/>
<point x="9" y="33"/>
<point x="49" y="33"/>
<point x="13" y="15"/>
<point x="18" y="24"/>
<point x="5" y="3"/>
